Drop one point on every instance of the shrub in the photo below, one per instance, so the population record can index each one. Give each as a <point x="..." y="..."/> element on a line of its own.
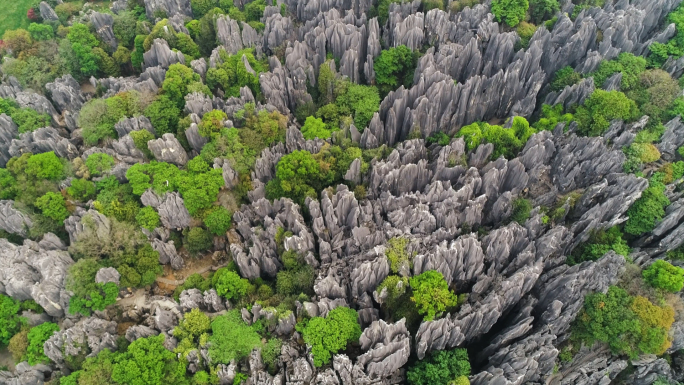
<point x="232" y="74"/>
<point x="521" y="210"/>
<point x="99" y="163"/>
<point x="431" y="294"/>
<point x="18" y="345"/>
<point x="542" y="10"/>
<point x="399" y="258"/>
<point x="230" y="285"/>
<point x="231" y="338"/>
<point x="212" y="123"/>
<point x="440" y="368"/>
<point x="194" y="324"/>
<point x="362" y="101"/>
<point x="45" y="166"/>
<point x="297" y="277"/>
<point x="28" y="120"/>
<point x="629" y="65"/>
<point x="218" y="221"/>
<point x="140" y="139"/>
<point x="394" y="67"/>
<point x="331" y="334"/>
<point x="598" y="245"/>
<point x="525" y="30"/>
<point x="662" y="275"/>
<point x="176" y="82"/>
<point x="566" y="76"/>
<point x="81" y="189"/>
<point x="600" y="108"/>
<point x="194" y="281"/>
<point x="163" y="114"/>
<point x="315" y="128"/>
<point x="148" y="218"/>
<point x="510" y="11"/>
<point x="629" y="325"/>
<point x="649" y="208"/>
<point x="10" y="322"/>
<point x="53" y="206"/>
<point x="145" y="358"/>
<point x="36" y="338"/>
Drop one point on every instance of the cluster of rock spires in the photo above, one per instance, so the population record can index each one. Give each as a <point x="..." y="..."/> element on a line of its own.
<point x="522" y="296"/>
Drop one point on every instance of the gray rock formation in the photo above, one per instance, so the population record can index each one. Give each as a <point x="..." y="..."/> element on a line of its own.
<point x="167" y="8"/>
<point x="33" y="272"/>
<point x="103" y="23"/>
<point x="47" y="13"/>
<point x="12" y="220"/>
<point x="8" y="131"/>
<point x="88" y="337"/>
<point x="172" y="212"/>
<point x="168" y="149"/>
<point x="127" y="125"/>
<point x="107" y="275"/>
<point x="161" y="55"/>
<point x="44" y="139"/>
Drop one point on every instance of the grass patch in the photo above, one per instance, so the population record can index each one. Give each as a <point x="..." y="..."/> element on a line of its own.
<point x="13" y="14"/>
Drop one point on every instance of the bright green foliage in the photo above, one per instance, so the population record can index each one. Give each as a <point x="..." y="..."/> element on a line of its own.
<point x="159" y="176"/>
<point x="626" y="63"/>
<point x="99" y="163"/>
<point x="233" y="75"/>
<point x="394" y="67"/>
<point x="525" y="30"/>
<point x="88" y="295"/>
<point x="297" y="176"/>
<point x="440" y="368"/>
<point x="440" y="138"/>
<point x="297" y="277"/>
<point x="212" y="123"/>
<point x="262" y="129"/>
<point x="178" y="79"/>
<point x="115" y="199"/>
<point x="45" y="166"/>
<point x="81" y="189"/>
<point x="8" y="184"/>
<point x="219" y="220"/>
<point x="37" y="337"/>
<point x="675" y="47"/>
<point x="460" y="380"/>
<point x="510" y="11"/>
<point x="521" y="210"/>
<point x="648" y="209"/>
<point x="194" y="324"/>
<point x="27" y="119"/>
<point x="315" y="128"/>
<point x="566" y="76"/>
<point x="399" y="258"/>
<point x="600" y="108"/>
<point x="10" y="322"/>
<point x="105" y="63"/>
<point x="53" y="206"/>
<point x="137" y="54"/>
<point x="124" y="28"/>
<point x="240" y="378"/>
<point x="229" y="145"/>
<point x="146" y="362"/>
<point x="230" y="285"/>
<point x="231" y="338"/>
<point x="163" y="114"/>
<point x="201" y="7"/>
<point x="82" y="42"/>
<point x="599" y="244"/>
<point x="360" y="101"/>
<point x="255" y="10"/>
<point x="662" y="275"/>
<point x="331" y="334"/>
<point x="431" y="294"/>
<point x="177" y="40"/>
<point x="148" y="218"/>
<point x="507" y="141"/>
<point x="629" y="325"/>
<point x="542" y="10"/>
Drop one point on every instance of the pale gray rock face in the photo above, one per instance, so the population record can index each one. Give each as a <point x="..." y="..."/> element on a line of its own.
<point x="33" y="272"/>
<point x="167" y="250"/>
<point x="8" y="131"/>
<point x="25" y="374"/>
<point x="167" y="8"/>
<point x="387" y="348"/>
<point x="44" y="139"/>
<point x="228" y="34"/>
<point x="119" y="6"/>
<point x="168" y="149"/>
<point x="47" y="13"/>
<point x="12" y="220"/>
<point x="107" y="275"/>
<point x="103" y="23"/>
<point x="191" y="299"/>
<point x="161" y="55"/>
<point x="198" y="103"/>
<point x="140" y="331"/>
<point x="127" y="125"/>
<point x="88" y="335"/>
<point x="173" y="213"/>
<point x="672" y="139"/>
<point x="65" y="93"/>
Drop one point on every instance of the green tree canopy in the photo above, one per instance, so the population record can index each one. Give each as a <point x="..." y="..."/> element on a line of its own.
<point x="431" y="294"/>
<point x="331" y="334"/>
<point x="511" y="12"/>
<point x="394" y="67"/>
<point x="440" y="368"/>
<point x="232" y="338"/>
<point x="662" y="275"/>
